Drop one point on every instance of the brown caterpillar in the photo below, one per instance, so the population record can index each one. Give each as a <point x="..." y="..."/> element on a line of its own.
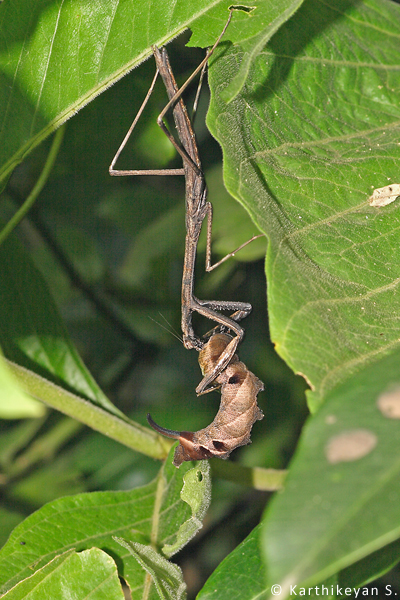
<point x="237" y="413"/>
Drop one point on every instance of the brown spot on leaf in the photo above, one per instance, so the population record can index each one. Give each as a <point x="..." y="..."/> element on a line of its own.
<point x="385" y="195"/>
<point x="330" y="419"/>
<point x="389" y="403"/>
<point x="350" y="445"/>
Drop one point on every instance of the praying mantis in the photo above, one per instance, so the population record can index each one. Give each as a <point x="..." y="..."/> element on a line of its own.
<point x="198" y="208"/>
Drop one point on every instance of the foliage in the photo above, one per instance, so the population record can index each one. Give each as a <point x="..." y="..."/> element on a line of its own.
<point x="304" y="103"/>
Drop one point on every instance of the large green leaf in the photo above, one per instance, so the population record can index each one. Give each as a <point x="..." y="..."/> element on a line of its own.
<point x="57" y="56"/>
<point x="241" y="576"/>
<point x="265" y="18"/>
<point x="91" y="573"/>
<point x="342" y="497"/>
<point x="315" y="129"/>
<point x="31" y="330"/>
<point x="153" y="515"/>
<point x="313" y="132"/>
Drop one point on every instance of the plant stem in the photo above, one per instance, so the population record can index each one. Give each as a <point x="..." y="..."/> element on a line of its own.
<point x="131" y="434"/>
<point x="39" y="185"/>
<point x="266" y="480"/>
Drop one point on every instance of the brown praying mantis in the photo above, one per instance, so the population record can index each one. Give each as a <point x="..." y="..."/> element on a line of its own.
<point x="197" y="209"/>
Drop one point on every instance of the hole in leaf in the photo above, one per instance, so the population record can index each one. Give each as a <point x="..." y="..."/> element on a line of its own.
<point x="246" y="9"/>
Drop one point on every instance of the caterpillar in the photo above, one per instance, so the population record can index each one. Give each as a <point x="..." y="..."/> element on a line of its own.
<point x="237" y="413"/>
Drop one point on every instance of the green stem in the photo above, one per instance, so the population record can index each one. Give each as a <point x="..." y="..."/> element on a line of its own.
<point x="131" y="434"/>
<point x="266" y="480"/>
<point x="40" y="183"/>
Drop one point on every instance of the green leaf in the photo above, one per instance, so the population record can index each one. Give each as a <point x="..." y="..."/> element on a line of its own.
<point x="150" y="515"/>
<point x="253" y="39"/>
<point x="91" y="573"/>
<point x="167" y="577"/>
<point x="14" y="402"/>
<point x="196" y="492"/>
<point x="241" y="576"/>
<point x="32" y="333"/>
<point x="231" y="225"/>
<point x="193" y="487"/>
<point x="151" y="243"/>
<point x="56" y="58"/>
<point x="341" y="500"/>
<point x="313" y="132"/>
<point x="371" y="567"/>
